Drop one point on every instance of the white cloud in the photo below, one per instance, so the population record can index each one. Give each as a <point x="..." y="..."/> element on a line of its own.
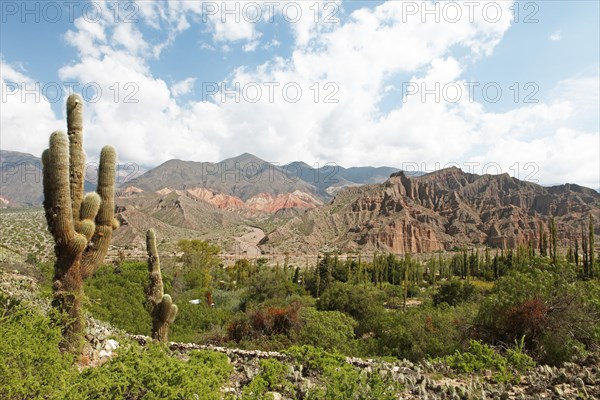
<point x="555" y="36"/>
<point x="27" y="117"/>
<point x="183" y="87"/>
<point x="359" y="58"/>
<point x="566" y="156"/>
<point x="251" y="46"/>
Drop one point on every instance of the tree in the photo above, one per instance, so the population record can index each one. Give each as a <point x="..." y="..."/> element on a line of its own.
<point x="199" y="258"/>
<point x="554" y="240"/>
<point x="543" y="241"/>
<point x="361" y="303"/>
<point x="591" y="247"/>
<point x="242" y="271"/>
<point x="81" y="226"/>
<point x="584" y="248"/>
<point x="454" y="292"/>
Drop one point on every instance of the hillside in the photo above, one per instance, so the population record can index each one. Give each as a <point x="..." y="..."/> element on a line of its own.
<point x="246" y="176"/>
<point x="438" y="211"/>
<point x="21" y="179"/>
<point x="175" y="215"/>
<point x="21" y="175"/>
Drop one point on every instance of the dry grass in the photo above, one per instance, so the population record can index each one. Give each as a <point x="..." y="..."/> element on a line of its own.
<point x="23" y="233"/>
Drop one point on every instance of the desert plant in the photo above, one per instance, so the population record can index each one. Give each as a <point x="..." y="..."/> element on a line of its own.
<point x="81" y="226"/>
<point x="163" y="310"/>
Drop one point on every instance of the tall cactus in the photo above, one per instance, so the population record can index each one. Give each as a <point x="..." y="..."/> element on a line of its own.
<point x="163" y="310"/>
<point x="81" y="225"/>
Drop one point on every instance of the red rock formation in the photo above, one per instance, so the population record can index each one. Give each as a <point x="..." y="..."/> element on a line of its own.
<point x="441" y="210"/>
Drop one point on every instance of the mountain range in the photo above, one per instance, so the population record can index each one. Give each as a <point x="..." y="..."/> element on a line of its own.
<point x="303" y="208"/>
<point x="439" y="211"/>
<point x="243" y="182"/>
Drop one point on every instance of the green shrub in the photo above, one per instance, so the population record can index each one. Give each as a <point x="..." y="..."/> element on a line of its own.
<point x="480" y="357"/>
<point x="363" y="304"/>
<point x="454" y="292"/>
<point x="272" y="377"/>
<point x="477" y="358"/>
<point x="150" y="373"/>
<point x="516" y="357"/>
<point x="31" y="366"/>
<point x="194" y="320"/>
<point x="341" y="380"/>
<point x="423" y="332"/>
<point x="328" y="330"/>
<point x="558" y="315"/>
<point x="270" y="284"/>
<point x="119" y="297"/>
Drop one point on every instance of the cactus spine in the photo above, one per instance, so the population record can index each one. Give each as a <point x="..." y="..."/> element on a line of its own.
<point x="81" y="226"/>
<point x="163" y="310"/>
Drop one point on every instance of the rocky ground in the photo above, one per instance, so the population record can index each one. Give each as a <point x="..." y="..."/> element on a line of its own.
<point x="424" y="380"/>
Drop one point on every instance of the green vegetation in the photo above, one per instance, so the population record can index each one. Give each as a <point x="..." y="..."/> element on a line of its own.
<point x="454" y="292"/>
<point x="33" y="367"/>
<point x="473" y="311"/>
<point x="272" y="377"/>
<point x="151" y="373"/>
<point x="480" y="357"/>
<point x="342" y="380"/>
<point x="118" y="297"/>
<point x="553" y="309"/>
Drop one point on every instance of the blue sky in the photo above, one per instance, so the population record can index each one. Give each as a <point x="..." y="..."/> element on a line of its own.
<point x="365" y="55"/>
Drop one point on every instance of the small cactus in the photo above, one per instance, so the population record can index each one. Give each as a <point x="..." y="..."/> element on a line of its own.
<point x="81" y="226"/>
<point x="163" y="310"/>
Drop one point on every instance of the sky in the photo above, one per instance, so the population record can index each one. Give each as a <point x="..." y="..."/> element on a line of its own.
<point x="489" y="86"/>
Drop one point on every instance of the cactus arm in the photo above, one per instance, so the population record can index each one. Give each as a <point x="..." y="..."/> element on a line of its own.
<point x="155" y="289"/>
<point x="58" y="201"/>
<point x="76" y="154"/>
<point x="46" y="176"/>
<point x="87" y="214"/>
<point x="98" y="246"/>
<point x="163" y="310"/>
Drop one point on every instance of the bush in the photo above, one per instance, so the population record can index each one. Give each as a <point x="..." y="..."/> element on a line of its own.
<point x="272" y="377"/>
<point x="150" y="373"/>
<point x="328" y="330"/>
<point x="423" y="332"/>
<point x="194" y="320"/>
<point x="267" y="323"/>
<point x="341" y="380"/>
<point x="32" y="367"/>
<point x="362" y="304"/>
<point x="559" y="316"/>
<point x="454" y="292"/>
<point x="119" y="298"/>
<point x="480" y="357"/>
<point x="270" y="284"/>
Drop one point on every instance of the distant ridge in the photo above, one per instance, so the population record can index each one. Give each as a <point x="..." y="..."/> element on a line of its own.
<point x="246" y="176"/>
<point x="439" y="211"/>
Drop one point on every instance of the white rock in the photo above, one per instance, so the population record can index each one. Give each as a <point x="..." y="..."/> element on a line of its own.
<point x="104" y="353"/>
<point x="111" y="345"/>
